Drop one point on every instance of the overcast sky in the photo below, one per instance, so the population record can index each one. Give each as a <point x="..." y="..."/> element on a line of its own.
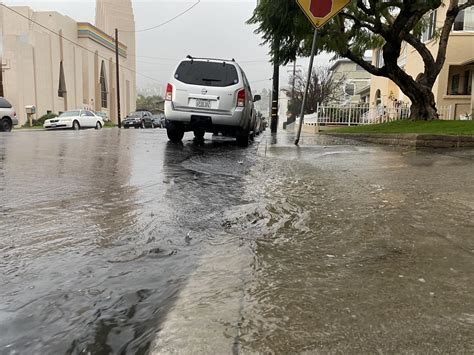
<point x="214" y="28"/>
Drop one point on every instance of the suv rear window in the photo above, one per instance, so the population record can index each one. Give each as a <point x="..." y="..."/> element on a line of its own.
<point x="207" y="73"/>
<point x="4" y="103"/>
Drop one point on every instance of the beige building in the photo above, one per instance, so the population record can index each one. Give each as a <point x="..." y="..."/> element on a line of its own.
<point x="72" y="68"/>
<point x="453" y="88"/>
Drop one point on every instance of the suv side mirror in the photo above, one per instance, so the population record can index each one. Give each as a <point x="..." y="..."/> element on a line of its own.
<point x="257" y="98"/>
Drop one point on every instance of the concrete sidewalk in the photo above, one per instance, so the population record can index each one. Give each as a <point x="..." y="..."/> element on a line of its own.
<point x="410" y="140"/>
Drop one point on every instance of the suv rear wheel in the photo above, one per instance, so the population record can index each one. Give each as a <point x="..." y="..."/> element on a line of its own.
<point x="5" y="125"/>
<point x="199" y="135"/>
<point x="175" y="133"/>
<point x="243" y="138"/>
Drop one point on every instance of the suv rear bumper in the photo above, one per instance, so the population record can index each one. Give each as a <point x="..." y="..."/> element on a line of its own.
<point x="194" y="119"/>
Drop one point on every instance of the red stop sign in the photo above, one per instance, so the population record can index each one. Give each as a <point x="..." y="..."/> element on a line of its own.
<point x="321" y="8"/>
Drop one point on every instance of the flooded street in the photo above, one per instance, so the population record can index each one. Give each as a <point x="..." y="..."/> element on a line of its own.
<point x="118" y="242"/>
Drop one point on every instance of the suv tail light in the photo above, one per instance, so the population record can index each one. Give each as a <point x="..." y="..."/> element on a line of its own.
<point x="169" y="92"/>
<point x="14" y="114"/>
<point x="241" y="98"/>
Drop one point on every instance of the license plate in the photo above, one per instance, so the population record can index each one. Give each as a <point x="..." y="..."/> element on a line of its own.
<point x="203" y="103"/>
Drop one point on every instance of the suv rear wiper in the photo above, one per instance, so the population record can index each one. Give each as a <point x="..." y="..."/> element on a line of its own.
<point x="210" y="79"/>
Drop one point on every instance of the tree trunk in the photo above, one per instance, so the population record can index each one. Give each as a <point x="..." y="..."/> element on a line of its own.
<point x="423" y="110"/>
<point x="423" y="104"/>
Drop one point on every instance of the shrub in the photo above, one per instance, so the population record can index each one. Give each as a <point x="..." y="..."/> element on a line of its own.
<point x="40" y="121"/>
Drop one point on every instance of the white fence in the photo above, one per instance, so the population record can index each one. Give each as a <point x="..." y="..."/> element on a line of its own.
<point x="359" y="114"/>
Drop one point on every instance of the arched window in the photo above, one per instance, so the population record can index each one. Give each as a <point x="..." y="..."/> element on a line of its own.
<point x="62" y="81"/>
<point x="103" y="86"/>
<point x="378" y="97"/>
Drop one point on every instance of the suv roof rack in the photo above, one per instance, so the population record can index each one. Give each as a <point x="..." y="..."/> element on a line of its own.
<point x="218" y="59"/>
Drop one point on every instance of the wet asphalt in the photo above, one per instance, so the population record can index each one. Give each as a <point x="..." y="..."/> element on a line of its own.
<point x="118" y="242"/>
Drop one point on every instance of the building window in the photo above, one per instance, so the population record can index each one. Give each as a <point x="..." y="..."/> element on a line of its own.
<point x="430" y="30"/>
<point x="455" y="84"/>
<point x="460" y="79"/>
<point x="103" y="86"/>
<point x="465" y="19"/>
<point x="467" y="87"/>
<point x="349" y="89"/>
<point x="62" y="82"/>
<point x="378" y="97"/>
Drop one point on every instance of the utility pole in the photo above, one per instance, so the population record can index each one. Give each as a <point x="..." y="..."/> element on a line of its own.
<point x="293" y="91"/>
<point x="1" y="62"/>
<point x="119" y="120"/>
<point x="1" y="76"/>
<point x="276" y="86"/>
<point x="294" y="80"/>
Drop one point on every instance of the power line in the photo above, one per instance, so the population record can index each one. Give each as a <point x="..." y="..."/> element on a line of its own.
<point x="73" y="42"/>
<point x="166" y="22"/>
<point x="254" y="61"/>
<point x="259" y="81"/>
<point x="147" y="57"/>
<point x="121" y="66"/>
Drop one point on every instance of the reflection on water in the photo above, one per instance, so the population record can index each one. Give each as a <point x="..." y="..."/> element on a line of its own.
<point x="78" y="273"/>
<point x="102" y="232"/>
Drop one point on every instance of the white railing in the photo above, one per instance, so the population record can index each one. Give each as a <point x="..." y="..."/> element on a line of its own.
<point x="360" y="114"/>
<point x="445" y="113"/>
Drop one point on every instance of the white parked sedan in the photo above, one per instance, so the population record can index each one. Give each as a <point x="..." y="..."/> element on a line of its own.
<point x="75" y="120"/>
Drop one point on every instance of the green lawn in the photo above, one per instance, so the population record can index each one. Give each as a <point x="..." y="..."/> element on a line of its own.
<point x="419" y="127"/>
<point x="109" y="125"/>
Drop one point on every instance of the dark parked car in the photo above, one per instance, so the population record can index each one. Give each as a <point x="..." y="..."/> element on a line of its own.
<point x="147" y="119"/>
<point x="139" y="119"/>
<point x="159" y="121"/>
<point x="264" y="124"/>
<point x="258" y="124"/>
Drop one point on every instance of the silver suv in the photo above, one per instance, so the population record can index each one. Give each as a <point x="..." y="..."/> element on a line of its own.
<point x="7" y="116"/>
<point x="210" y="95"/>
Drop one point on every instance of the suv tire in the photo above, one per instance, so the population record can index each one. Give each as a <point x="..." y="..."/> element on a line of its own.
<point x="5" y="125"/>
<point x="175" y="133"/>
<point x="243" y="138"/>
<point x="252" y="136"/>
<point x="199" y="135"/>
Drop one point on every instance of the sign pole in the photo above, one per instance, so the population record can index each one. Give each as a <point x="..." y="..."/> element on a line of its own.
<point x="305" y="96"/>
<point x="318" y="12"/>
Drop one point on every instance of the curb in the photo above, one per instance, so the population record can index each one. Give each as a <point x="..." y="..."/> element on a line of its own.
<point x="411" y="140"/>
